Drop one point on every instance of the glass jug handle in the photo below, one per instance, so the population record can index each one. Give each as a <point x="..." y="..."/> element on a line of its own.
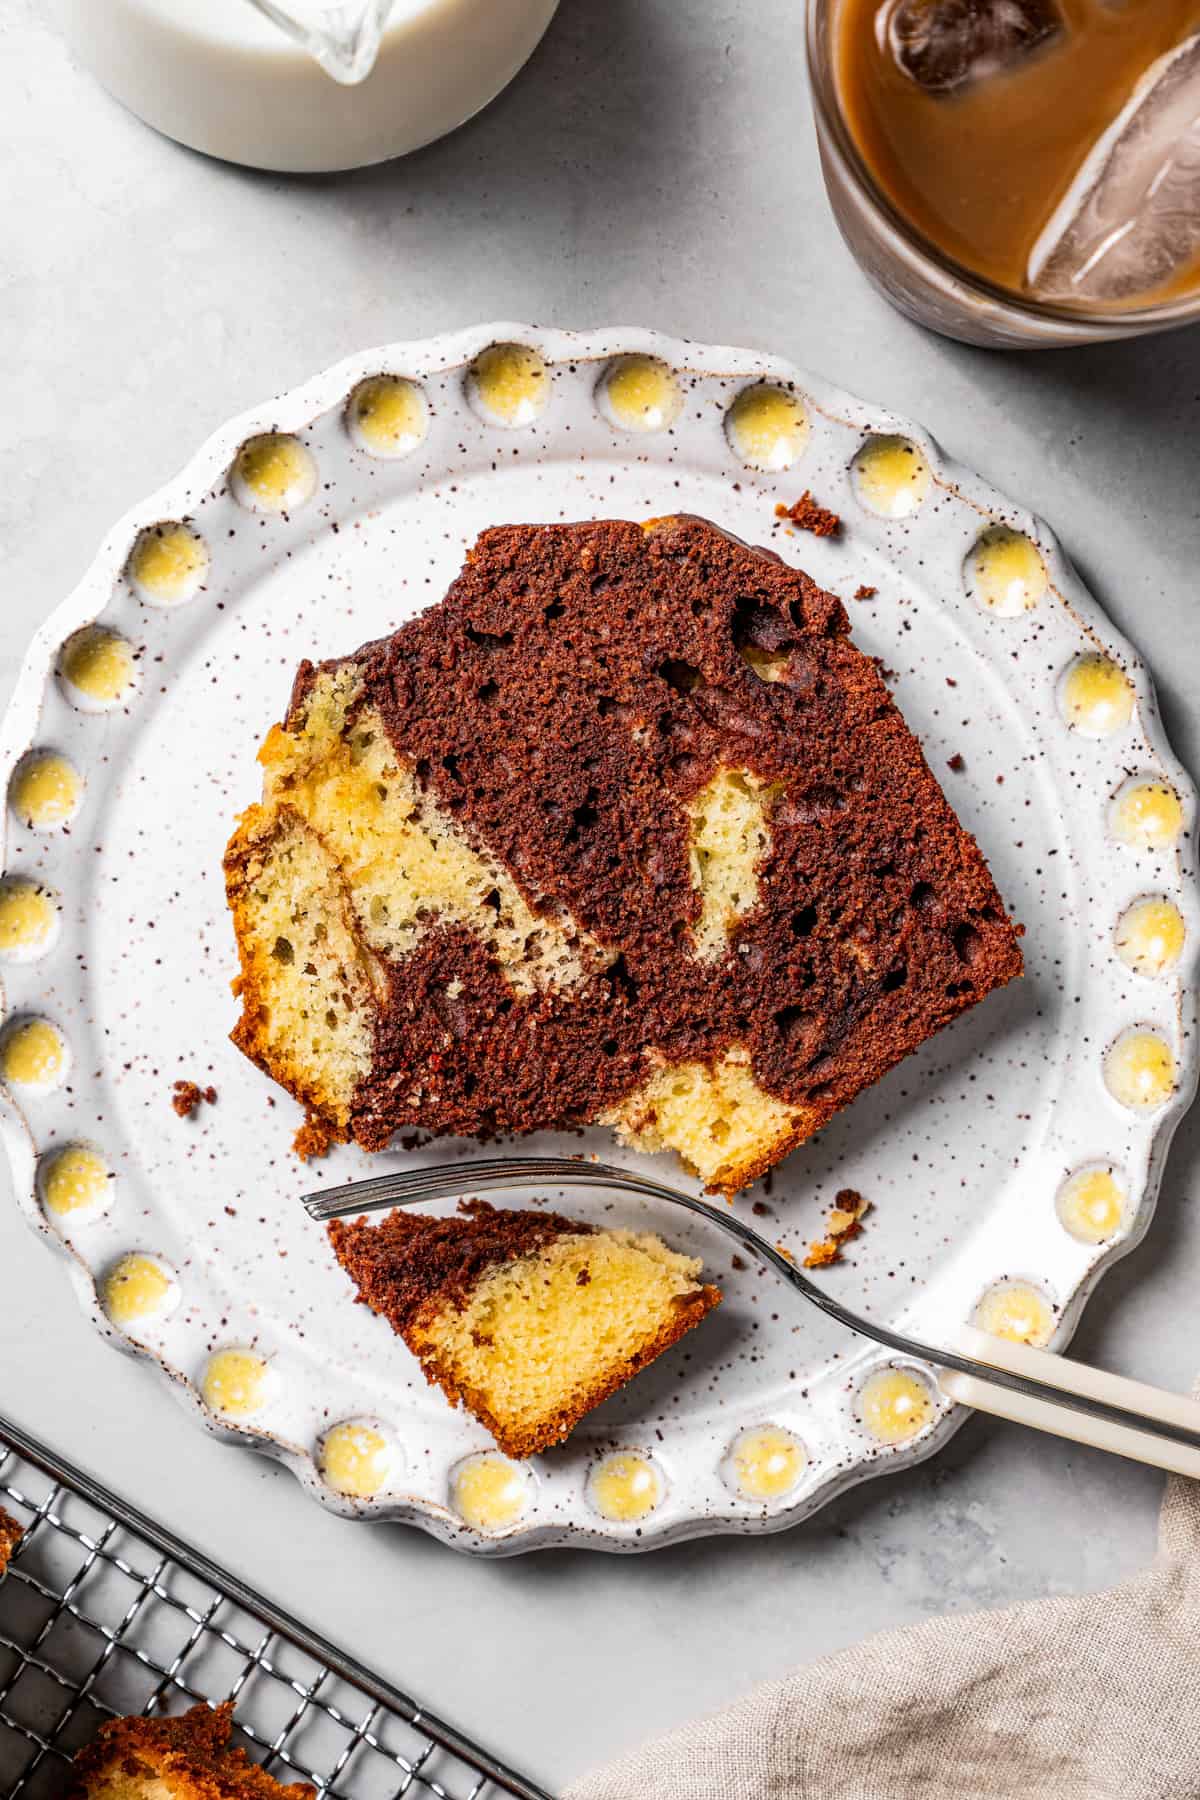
<point x="342" y="35"/>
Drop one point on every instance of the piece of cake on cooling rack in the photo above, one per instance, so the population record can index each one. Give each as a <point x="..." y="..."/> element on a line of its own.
<point x="526" y="1318"/>
<point x="624" y="831"/>
<point x="183" y="1758"/>
<point x="10" y="1536"/>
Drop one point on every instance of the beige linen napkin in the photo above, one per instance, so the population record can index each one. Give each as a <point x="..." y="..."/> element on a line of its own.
<point x="1095" y="1698"/>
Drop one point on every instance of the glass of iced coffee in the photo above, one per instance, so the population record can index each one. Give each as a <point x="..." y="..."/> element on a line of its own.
<point x="1016" y="172"/>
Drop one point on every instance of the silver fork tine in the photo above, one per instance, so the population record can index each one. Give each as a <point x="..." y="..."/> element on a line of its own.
<point x="437" y="1182"/>
<point x="453" y="1180"/>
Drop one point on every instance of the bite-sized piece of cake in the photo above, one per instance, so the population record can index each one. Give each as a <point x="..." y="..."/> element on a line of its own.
<point x="625" y="830"/>
<point x="10" y="1536"/>
<point x="182" y="1758"/>
<point x="843" y="1223"/>
<point x="528" y="1319"/>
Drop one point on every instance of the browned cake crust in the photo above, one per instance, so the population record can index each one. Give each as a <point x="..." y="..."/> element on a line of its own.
<point x="190" y="1753"/>
<point x="407" y="1268"/>
<point x="575" y="690"/>
<point x="10" y="1536"/>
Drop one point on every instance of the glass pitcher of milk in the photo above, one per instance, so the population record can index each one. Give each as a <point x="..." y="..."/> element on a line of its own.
<point x="305" y="85"/>
<point x="343" y="35"/>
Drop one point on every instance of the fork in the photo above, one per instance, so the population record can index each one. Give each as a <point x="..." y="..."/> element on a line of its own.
<point x="1015" y="1381"/>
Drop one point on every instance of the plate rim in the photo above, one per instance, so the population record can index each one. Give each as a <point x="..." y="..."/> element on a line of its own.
<point x="292" y="410"/>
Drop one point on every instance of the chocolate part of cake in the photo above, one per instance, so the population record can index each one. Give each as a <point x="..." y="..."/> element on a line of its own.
<point x="557" y="720"/>
<point x="408" y="1259"/>
<point x="526" y="1318"/>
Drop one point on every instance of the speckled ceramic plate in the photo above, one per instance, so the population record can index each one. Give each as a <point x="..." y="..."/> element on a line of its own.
<point x="1009" y="1163"/>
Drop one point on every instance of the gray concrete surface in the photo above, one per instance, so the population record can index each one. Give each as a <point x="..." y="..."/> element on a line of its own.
<point x="654" y="165"/>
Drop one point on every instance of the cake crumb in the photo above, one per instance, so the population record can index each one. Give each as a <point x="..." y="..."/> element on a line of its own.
<point x="187" y="1096"/>
<point x="957" y="762"/>
<point x="865" y="592"/>
<point x="810" y="515"/>
<point x="311" y="1140"/>
<point x="844" y="1222"/>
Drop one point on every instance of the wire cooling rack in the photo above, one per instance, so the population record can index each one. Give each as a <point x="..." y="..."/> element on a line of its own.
<point x="104" y="1613"/>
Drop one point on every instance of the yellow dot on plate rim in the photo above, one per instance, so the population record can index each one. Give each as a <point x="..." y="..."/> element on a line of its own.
<point x="387" y="415"/>
<point x="640" y="393"/>
<point x="1149" y="938"/>
<point x="75" y="1179"/>
<point x="895" y="1404"/>
<point x="1016" y="1310"/>
<point x="98" y="665"/>
<point x="768" y="427"/>
<point x="139" y="1288"/>
<point x="891" y="476"/>
<point x="765" y="1462"/>
<point x="29" y="918"/>
<point x="1095" y="696"/>
<point x="273" y="472"/>
<point x="1091" y="1204"/>
<point x="1139" y="1070"/>
<point x="236" y="1382"/>
<point x="34" y="1055"/>
<point x="168" y="563"/>
<point x="1005" y="573"/>
<point x="46" y="790"/>
<point x="509" y="384"/>
<point x="357" y="1458"/>
<point x="625" y="1487"/>
<point x="489" y="1492"/>
<point x="1146" y="814"/>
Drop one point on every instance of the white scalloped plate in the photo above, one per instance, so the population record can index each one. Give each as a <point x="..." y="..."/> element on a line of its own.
<point x="963" y="1150"/>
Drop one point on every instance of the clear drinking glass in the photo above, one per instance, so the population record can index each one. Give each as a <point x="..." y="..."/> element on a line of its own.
<point x="920" y="279"/>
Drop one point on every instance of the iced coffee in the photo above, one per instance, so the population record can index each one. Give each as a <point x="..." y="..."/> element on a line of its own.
<point x="1049" y="147"/>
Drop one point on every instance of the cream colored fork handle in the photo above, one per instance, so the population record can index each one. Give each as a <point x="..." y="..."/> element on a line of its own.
<point x="1075" y="1377"/>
